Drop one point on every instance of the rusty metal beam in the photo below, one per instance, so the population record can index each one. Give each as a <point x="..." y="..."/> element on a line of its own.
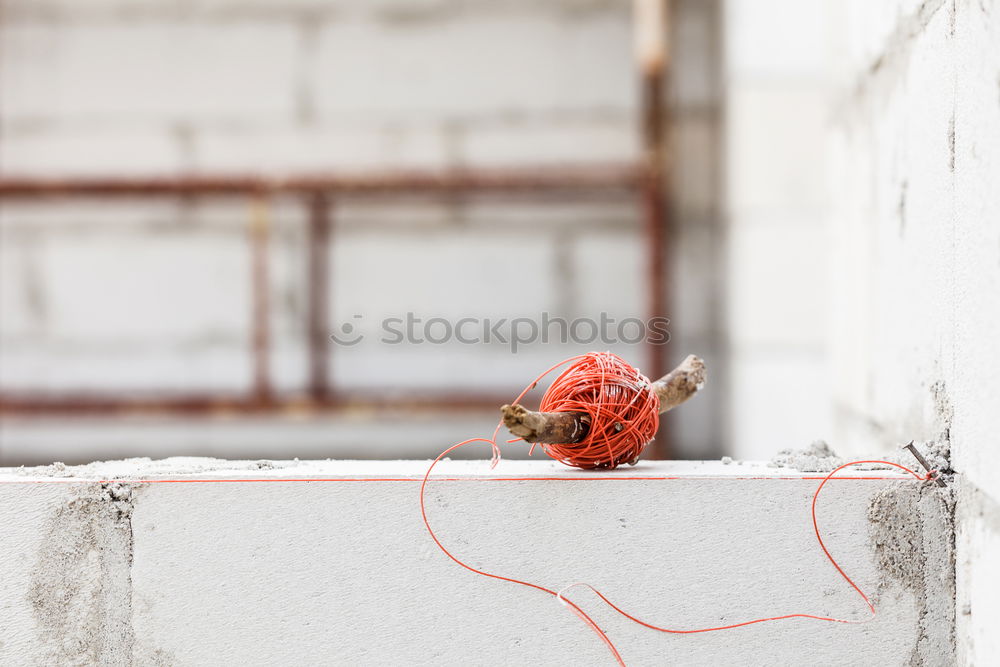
<point x="260" y="297"/>
<point x="652" y="27"/>
<point x="656" y="213"/>
<point x="577" y="180"/>
<point x="582" y="181"/>
<point x="317" y="325"/>
<point x="221" y="405"/>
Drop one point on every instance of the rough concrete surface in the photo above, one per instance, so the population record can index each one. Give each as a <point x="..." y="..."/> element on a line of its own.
<point x="112" y="564"/>
<point x="917" y="251"/>
<point x="81" y="584"/>
<point x="817" y="457"/>
<point x="912" y="530"/>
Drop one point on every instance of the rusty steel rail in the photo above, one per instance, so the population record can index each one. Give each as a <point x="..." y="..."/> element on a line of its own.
<point x="217" y="404"/>
<point x="317" y="324"/>
<point x="576" y="180"/>
<point x="652" y="26"/>
<point x="319" y="192"/>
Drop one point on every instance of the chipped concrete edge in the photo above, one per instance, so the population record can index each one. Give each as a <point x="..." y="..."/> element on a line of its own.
<point x="912" y="532"/>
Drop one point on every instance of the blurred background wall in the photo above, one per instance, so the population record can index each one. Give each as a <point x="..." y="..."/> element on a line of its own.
<point x="138" y="296"/>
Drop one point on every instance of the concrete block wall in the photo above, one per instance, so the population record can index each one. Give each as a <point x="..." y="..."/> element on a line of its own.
<point x="917" y="263"/>
<point x="328" y="562"/>
<point x="132" y="296"/>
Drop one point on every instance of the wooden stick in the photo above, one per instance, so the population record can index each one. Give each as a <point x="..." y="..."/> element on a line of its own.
<point x="672" y="389"/>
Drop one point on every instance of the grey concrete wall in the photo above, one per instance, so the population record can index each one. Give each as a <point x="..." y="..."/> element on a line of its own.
<point x="917" y="266"/>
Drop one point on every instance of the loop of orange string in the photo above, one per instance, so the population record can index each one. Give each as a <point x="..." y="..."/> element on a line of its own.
<point x="625" y="397"/>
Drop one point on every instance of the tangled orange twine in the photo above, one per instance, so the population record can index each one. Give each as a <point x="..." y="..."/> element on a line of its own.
<point x="621" y="409"/>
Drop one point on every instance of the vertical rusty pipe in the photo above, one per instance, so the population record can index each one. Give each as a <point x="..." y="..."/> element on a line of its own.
<point x="317" y="316"/>
<point x="651" y="28"/>
<point x="260" y="296"/>
<point x="655" y="211"/>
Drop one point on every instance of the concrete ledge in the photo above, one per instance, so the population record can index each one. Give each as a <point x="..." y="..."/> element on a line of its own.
<point x="150" y="562"/>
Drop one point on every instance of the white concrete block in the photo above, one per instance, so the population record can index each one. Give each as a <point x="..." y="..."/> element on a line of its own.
<point x="448" y="274"/>
<point x="147" y="70"/>
<point x="575" y="216"/>
<point x="775" y="148"/>
<point x="869" y="31"/>
<point x="776" y="39"/>
<point x="916" y="321"/>
<point x="895" y="320"/>
<point x="559" y="141"/>
<point x="292" y="570"/>
<point x="475" y="64"/>
<point x="25" y="10"/>
<point x="93" y="150"/>
<point x="696" y="166"/>
<point x="116" y="368"/>
<point x="472" y="283"/>
<point x="61" y="216"/>
<point x="699" y="282"/>
<point x="20" y="314"/>
<point x="779" y="401"/>
<point x="609" y="275"/>
<point x="977" y="549"/>
<point x="778" y="290"/>
<point x="134" y="309"/>
<point x="452" y="368"/>
<point x="976" y="238"/>
<point x="346" y="147"/>
<point x="391" y="258"/>
<point x="134" y="287"/>
<point x="695" y="70"/>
